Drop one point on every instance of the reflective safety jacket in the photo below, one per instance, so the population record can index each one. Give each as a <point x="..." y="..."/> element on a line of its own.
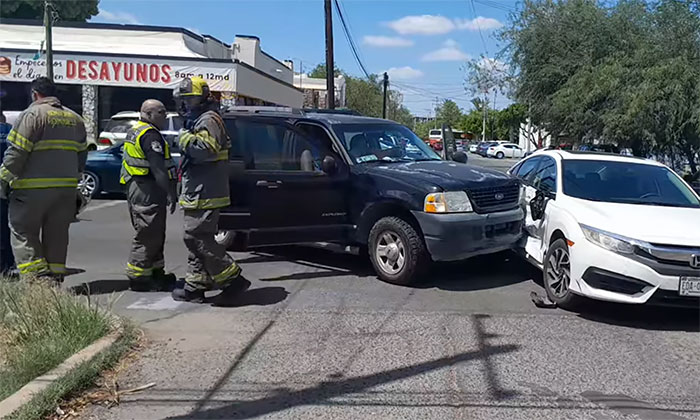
<point x="135" y="162"/>
<point x="47" y="147"/>
<point x="205" y="178"/>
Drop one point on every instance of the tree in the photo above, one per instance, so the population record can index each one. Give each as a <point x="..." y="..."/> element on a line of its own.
<point x="319" y="72"/>
<point x="626" y="72"/>
<point x="448" y="113"/>
<point x="68" y="10"/>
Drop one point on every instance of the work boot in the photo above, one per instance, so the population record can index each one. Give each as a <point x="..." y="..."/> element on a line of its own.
<point x="229" y="293"/>
<point x="186" y="294"/>
<point x="164" y="281"/>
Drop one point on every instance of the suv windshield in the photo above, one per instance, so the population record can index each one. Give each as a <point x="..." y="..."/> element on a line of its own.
<point x="382" y="142"/>
<point x="626" y="182"/>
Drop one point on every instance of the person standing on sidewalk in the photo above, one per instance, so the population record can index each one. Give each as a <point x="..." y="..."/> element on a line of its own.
<point x="39" y="174"/>
<point x="7" y="260"/>
<point x="149" y="173"/>
<point x="205" y="190"/>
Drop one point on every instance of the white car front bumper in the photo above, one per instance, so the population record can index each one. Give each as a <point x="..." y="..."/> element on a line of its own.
<point x="604" y="275"/>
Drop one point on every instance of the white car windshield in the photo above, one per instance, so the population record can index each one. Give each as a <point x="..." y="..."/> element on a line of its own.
<point x="626" y="182"/>
<point x="383" y="142"/>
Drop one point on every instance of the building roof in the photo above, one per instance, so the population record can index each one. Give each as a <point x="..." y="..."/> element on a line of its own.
<point x="112" y="39"/>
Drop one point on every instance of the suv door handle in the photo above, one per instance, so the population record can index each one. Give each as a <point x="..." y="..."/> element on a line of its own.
<point x="268" y="184"/>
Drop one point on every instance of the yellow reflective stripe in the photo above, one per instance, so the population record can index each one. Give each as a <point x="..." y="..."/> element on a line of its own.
<point x="70" y="145"/>
<point x="6" y="175"/>
<point x="20" y="141"/>
<point x="135" y="271"/>
<point x="209" y="140"/>
<point x="222" y="155"/>
<point x="205" y="204"/>
<point x="57" y="268"/>
<point x="33" y="266"/>
<point x="231" y="271"/>
<point x="31" y="183"/>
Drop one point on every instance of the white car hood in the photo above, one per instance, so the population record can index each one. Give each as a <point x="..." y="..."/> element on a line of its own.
<point x="654" y="224"/>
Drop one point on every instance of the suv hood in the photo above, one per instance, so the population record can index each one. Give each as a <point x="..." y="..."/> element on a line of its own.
<point x="450" y="176"/>
<point x="654" y="224"/>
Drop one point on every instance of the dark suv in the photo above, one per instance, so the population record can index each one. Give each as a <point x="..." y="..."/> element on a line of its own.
<point x="372" y="183"/>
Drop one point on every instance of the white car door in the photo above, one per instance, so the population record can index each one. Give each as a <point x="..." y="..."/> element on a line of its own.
<point x="544" y="179"/>
<point x="526" y="172"/>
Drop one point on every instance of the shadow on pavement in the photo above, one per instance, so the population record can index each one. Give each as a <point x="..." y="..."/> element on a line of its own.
<point x="655" y="318"/>
<point x="256" y="297"/>
<point x="326" y="263"/>
<point x="283" y="399"/>
<point x="101" y="287"/>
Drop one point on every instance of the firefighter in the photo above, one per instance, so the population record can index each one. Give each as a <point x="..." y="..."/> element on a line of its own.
<point x="205" y="190"/>
<point x="39" y="174"/>
<point x="149" y="173"/>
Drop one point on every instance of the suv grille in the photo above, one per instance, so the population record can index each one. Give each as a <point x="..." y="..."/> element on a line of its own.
<point x="495" y="198"/>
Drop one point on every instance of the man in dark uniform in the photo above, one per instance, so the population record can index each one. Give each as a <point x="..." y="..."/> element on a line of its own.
<point x="149" y="173"/>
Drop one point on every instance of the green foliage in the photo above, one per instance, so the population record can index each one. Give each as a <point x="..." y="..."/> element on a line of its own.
<point x="68" y="10"/>
<point x="319" y="72"/>
<point x="626" y="72"/>
<point x="448" y="113"/>
<point x="40" y="327"/>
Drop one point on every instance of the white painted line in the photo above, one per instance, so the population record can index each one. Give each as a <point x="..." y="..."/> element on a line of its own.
<point x="103" y="206"/>
<point x="163" y="304"/>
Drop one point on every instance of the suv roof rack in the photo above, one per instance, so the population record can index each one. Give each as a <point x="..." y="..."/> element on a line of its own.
<point x="341" y="111"/>
<point x="263" y="109"/>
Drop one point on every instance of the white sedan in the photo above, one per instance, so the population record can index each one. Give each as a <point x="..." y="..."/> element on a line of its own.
<point x="504" y="150"/>
<point x="473" y="147"/>
<point x="611" y="228"/>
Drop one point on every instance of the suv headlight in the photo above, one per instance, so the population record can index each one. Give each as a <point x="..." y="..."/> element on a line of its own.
<point x="447" y="202"/>
<point x="609" y="241"/>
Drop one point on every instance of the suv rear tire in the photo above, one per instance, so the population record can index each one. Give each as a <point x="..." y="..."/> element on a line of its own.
<point x="397" y="251"/>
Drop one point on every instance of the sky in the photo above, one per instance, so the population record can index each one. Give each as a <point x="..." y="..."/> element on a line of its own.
<point x="422" y="44"/>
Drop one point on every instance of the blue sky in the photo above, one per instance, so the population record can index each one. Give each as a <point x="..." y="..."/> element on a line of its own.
<point x="422" y="43"/>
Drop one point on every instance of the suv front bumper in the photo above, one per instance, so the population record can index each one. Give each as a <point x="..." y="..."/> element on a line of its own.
<point x="452" y="237"/>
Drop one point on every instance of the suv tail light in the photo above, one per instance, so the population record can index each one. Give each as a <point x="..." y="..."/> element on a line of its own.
<point x="104" y="141"/>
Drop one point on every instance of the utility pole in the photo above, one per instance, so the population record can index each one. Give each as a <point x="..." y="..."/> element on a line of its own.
<point x="386" y="84"/>
<point x="484" y="105"/>
<point x="330" y="76"/>
<point x="49" y="48"/>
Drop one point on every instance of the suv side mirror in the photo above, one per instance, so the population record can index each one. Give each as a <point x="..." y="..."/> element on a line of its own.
<point x="329" y="165"/>
<point x="460" y="157"/>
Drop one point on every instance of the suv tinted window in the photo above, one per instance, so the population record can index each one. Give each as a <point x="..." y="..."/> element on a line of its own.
<point x="545" y="178"/>
<point x="270" y="146"/>
<point x="527" y="169"/>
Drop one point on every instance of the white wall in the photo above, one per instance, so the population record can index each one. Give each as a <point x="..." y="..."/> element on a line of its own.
<point x="247" y="49"/>
<point x="534" y="134"/>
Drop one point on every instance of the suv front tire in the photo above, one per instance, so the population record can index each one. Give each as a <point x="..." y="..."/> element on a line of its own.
<point x="397" y="251"/>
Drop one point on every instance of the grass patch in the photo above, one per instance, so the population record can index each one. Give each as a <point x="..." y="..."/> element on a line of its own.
<point x="40" y="327"/>
<point x="78" y="379"/>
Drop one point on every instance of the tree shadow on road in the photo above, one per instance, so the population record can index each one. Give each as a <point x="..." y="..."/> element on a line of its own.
<point x="284" y="399"/>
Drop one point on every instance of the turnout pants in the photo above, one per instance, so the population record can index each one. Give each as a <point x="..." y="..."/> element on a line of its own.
<point x="148" y="210"/>
<point x="39" y="223"/>
<point x="208" y="265"/>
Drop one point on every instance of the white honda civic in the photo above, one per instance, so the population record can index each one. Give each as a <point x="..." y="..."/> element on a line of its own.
<point x="610" y="227"/>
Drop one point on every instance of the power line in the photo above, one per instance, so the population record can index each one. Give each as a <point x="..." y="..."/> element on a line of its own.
<point x="348" y="37"/>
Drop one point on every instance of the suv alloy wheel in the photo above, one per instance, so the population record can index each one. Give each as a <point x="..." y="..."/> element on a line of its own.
<point x="397" y="251"/>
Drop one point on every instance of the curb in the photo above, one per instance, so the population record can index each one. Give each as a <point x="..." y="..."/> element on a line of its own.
<point x="39" y="384"/>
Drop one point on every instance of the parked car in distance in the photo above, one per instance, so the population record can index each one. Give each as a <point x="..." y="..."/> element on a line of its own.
<point x="116" y="128"/>
<point x="505" y="150"/>
<point x="603" y="148"/>
<point x="362" y="182"/>
<point x="473" y="147"/>
<point x="610" y="227"/>
<point x="484" y="147"/>
<point x="103" y="170"/>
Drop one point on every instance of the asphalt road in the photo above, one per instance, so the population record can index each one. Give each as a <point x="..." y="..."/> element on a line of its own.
<point x="318" y="336"/>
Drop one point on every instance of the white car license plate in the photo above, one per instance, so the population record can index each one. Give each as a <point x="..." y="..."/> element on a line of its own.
<point x="689" y="286"/>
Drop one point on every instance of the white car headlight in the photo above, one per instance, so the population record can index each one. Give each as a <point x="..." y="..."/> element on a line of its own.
<point x="609" y="241"/>
<point x="447" y="202"/>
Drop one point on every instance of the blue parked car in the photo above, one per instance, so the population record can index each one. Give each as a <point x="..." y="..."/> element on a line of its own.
<point x="102" y="171"/>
